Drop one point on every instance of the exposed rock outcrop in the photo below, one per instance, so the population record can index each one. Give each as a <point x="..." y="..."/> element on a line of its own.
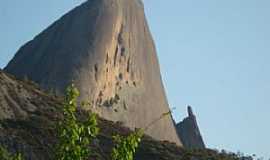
<point x="18" y="99"/>
<point x="189" y="132"/>
<point x="104" y="47"/>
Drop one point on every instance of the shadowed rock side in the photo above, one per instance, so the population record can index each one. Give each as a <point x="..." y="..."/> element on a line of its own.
<point x="106" y="48"/>
<point x="189" y="132"/>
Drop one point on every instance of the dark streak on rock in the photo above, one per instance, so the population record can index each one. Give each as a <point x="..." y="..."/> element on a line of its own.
<point x="115" y="56"/>
<point x="96" y="72"/>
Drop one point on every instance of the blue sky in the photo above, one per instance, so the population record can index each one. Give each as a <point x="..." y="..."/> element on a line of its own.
<point x="214" y="56"/>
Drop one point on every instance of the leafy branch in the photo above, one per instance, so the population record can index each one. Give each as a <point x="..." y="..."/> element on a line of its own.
<point x="74" y="136"/>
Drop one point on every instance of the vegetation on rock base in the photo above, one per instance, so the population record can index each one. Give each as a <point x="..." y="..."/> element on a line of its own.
<point x="126" y="146"/>
<point x="75" y="136"/>
<point x="5" y="155"/>
<point x="35" y="138"/>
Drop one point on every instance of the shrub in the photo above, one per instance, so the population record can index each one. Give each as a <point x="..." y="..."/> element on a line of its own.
<point x="125" y="147"/>
<point x="74" y="136"/>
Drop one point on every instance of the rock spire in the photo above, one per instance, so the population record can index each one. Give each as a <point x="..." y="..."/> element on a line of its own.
<point x="104" y="47"/>
<point x="189" y="133"/>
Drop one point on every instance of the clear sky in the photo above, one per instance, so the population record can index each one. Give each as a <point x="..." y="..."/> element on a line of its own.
<point x="214" y="56"/>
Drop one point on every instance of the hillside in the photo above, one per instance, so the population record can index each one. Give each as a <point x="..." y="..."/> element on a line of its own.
<point x="27" y="125"/>
<point x="28" y="119"/>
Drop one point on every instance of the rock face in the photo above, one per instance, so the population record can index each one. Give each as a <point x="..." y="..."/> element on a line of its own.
<point x="189" y="132"/>
<point x="105" y="48"/>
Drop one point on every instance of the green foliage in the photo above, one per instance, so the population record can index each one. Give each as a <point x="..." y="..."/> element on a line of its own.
<point x="125" y="147"/>
<point x="5" y="155"/>
<point x="74" y="136"/>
